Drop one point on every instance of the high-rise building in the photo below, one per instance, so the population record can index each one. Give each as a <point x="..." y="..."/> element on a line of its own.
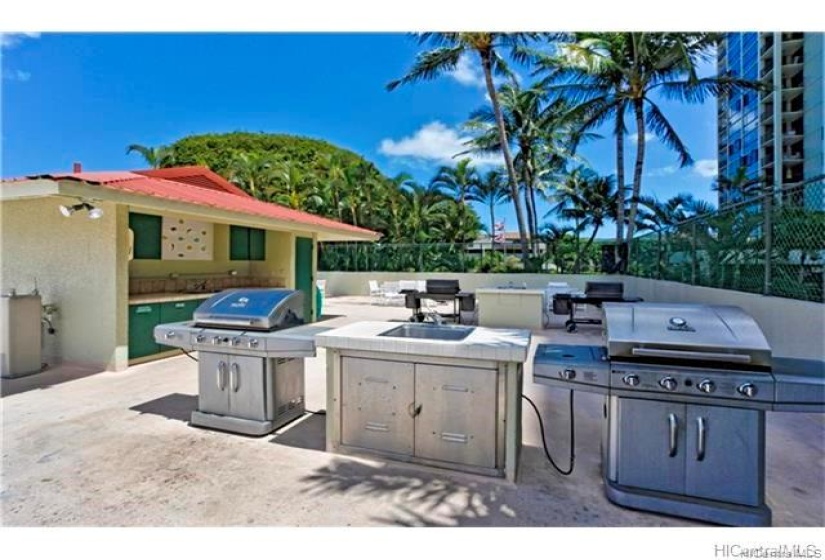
<point x="777" y="135"/>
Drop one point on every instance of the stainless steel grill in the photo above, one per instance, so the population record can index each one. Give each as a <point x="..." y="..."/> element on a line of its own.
<point x="687" y="388"/>
<point x="251" y="345"/>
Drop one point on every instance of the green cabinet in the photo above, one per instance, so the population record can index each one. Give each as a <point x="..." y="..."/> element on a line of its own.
<point x="247" y="244"/>
<point x="147" y="232"/>
<point x="175" y="312"/>
<point x="143" y="319"/>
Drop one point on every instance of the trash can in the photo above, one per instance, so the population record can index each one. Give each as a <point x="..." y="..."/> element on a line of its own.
<point x="319" y="302"/>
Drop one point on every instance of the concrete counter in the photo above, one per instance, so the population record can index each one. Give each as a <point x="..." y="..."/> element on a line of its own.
<point x="450" y="404"/>
<point x="510" y="307"/>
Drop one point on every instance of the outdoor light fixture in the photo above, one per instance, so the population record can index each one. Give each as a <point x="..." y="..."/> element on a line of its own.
<point x="94" y="212"/>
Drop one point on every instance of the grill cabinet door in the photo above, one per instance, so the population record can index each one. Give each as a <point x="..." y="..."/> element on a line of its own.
<point x="246" y="386"/>
<point x="457" y="419"/>
<point x="376" y="401"/>
<point x="213" y="383"/>
<point x="733" y="462"/>
<point x="649" y="456"/>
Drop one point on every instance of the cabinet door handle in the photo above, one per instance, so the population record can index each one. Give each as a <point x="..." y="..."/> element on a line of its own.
<point x="220" y="378"/>
<point x="701" y="433"/>
<point x="235" y="376"/>
<point x="413" y="410"/>
<point x="674" y="433"/>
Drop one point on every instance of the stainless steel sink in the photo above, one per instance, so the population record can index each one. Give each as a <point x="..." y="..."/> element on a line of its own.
<point x="429" y="332"/>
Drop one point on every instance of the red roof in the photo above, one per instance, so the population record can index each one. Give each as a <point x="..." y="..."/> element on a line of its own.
<point x="200" y="186"/>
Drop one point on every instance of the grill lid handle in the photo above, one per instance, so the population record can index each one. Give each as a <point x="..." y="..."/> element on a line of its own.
<point x="691" y="355"/>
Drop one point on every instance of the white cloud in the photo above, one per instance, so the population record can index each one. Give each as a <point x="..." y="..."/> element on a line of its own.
<point x="9" y="40"/>
<point x="662" y="171"/>
<point x="633" y="138"/>
<point x="16" y="75"/>
<point x="435" y="142"/>
<point x="706" y="167"/>
<point x="467" y="73"/>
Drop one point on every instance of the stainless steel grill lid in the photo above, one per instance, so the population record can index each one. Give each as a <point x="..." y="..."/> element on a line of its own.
<point x="685" y="333"/>
<point x="252" y="308"/>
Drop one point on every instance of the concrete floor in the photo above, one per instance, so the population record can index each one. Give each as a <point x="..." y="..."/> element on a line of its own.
<point x="81" y="448"/>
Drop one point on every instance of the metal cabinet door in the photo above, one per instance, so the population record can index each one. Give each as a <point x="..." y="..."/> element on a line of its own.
<point x="457" y="418"/>
<point x="213" y="383"/>
<point x="651" y="445"/>
<point x="725" y="454"/>
<point x="247" y="387"/>
<point x="376" y="402"/>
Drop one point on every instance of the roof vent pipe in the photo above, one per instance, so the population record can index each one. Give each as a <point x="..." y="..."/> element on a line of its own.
<point x="77" y="167"/>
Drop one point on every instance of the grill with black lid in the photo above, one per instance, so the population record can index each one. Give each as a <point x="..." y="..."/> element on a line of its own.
<point x="687" y="388"/>
<point x="251" y="344"/>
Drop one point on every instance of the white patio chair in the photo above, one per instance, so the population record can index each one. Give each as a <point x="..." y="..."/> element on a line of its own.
<point x="376" y="293"/>
<point x="409" y="285"/>
<point x="391" y="293"/>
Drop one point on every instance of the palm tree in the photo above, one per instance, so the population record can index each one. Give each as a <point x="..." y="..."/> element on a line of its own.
<point x="557" y="239"/>
<point x="448" y="49"/>
<point x="458" y="181"/>
<point x="589" y="200"/>
<point x="543" y="133"/>
<point x="254" y="172"/>
<point x="739" y="188"/>
<point x="155" y="157"/>
<point x="614" y="73"/>
<point x="490" y="191"/>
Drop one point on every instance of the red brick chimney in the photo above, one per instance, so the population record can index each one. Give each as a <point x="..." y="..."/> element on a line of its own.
<point x="77" y="167"/>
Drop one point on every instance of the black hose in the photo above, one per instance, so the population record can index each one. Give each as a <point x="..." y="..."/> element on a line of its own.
<point x="188" y="355"/>
<point x="544" y="440"/>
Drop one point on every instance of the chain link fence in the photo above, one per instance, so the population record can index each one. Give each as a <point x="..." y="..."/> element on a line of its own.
<point x="772" y="244"/>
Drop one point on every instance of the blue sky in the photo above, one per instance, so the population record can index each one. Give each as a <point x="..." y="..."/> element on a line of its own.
<point x="85" y="97"/>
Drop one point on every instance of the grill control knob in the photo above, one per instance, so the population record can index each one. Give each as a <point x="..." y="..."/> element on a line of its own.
<point x="253" y="343"/>
<point x="216" y="340"/>
<point x="568" y="374"/>
<point x="236" y="341"/>
<point x="668" y="383"/>
<point x="706" y="386"/>
<point x="631" y="380"/>
<point x="199" y="338"/>
<point x="747" y="389"/>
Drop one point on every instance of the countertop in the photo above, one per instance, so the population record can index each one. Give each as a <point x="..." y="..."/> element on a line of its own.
<point x="161" y="297"/>
<point x="500" y="345"/>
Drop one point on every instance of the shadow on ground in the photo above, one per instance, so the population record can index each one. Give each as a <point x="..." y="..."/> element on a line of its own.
<point x="307" y="432"/>
<point x="418" y="496"/>
<point x="45" y="379"/>
<point x="175" y="406"/>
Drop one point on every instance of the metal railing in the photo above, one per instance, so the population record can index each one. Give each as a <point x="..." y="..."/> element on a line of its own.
<point x="773" y="244"/>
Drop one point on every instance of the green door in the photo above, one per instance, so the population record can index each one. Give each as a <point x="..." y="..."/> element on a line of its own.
<point x="142" y="321"/>
<point x="303" y="273"/>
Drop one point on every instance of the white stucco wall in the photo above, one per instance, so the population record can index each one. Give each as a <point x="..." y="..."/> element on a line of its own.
<point x="74" y="262"/>
<point x="356" y="283"/>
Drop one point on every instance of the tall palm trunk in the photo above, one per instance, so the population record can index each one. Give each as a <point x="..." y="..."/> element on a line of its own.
<point x="492" y="226"/>
<point x="585" y="248"/>
<point x="619" y="264"/>
<point x="486" y="65"/>
<point x="637" y="173"/>
<point x="531" y="210"/>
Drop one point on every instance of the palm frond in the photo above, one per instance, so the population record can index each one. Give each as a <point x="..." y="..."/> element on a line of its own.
<point x="665" y="132"/>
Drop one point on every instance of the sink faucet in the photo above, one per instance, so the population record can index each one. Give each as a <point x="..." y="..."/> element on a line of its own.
<point x="436" y="318"/>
